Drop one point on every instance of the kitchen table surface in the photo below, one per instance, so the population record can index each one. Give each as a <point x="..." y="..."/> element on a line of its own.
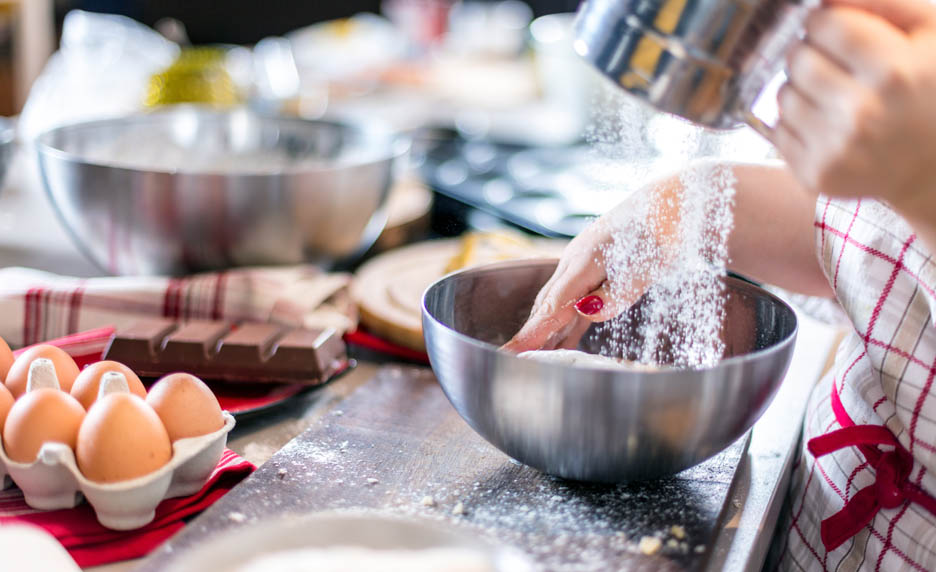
<point x="31" y="236"/>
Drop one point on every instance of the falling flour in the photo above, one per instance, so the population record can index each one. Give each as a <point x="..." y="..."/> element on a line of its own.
<point x="670" y="243"/>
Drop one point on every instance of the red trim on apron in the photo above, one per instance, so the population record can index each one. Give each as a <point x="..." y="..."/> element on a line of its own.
<point x="891" y="486"/>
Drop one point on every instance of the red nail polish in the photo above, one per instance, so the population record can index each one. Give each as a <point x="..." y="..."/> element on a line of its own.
<point x="589" y="305"/>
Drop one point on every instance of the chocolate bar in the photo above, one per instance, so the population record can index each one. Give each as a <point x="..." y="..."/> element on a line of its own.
<point x="246" y="352"/>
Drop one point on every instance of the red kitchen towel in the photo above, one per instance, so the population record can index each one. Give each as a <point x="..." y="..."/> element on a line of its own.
<point x="367" y="340"/>
<point x="83" y="347"/>
<point x="91" y="544"/>
<point x="38" y="305"/>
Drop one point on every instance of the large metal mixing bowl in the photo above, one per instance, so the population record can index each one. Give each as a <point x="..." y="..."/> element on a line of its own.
<point x="189" y="188"/>
<point x="7" y="136"/>
<point x="598" y="424"/>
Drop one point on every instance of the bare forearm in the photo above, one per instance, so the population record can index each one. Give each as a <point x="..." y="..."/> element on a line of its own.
<point x="773" y="236"/>
<point x="919" y="210"/>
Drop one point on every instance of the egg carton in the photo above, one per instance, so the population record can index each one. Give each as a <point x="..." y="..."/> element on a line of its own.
<point x="53" y="480"/>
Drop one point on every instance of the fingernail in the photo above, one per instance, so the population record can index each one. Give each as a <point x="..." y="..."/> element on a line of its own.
<point x="589" y="305"/>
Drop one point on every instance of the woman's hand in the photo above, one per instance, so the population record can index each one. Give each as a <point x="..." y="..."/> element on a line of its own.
<point x="580" y="291"/>
<point x="857" y="115"/>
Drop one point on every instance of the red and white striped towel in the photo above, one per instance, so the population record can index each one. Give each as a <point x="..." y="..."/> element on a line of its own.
<point x="36" y="306"/>
<point x="90" y="544"/>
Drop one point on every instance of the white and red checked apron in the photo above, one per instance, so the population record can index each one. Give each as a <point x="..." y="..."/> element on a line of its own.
<point x="862" y="496"/>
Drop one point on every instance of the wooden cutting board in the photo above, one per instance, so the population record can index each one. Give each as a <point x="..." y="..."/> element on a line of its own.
<point x="396" y="442"/>
<point x="388" y="288"/>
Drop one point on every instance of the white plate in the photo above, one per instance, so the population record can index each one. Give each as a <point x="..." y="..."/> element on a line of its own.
<point x="32" y="549"/>
<point x="236" y="547"/>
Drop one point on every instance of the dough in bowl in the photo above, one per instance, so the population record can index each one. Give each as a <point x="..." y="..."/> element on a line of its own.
<point x="583" y="359"/>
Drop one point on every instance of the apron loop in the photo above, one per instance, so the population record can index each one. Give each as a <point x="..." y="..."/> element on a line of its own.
<point x="892" y="467"/>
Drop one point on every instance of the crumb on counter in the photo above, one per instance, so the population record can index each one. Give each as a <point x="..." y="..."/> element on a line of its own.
<point x="427" y="501"/>
<point x="678" y="531"/>
<point x="650" y="545"/>
<point x="459" y="509"/>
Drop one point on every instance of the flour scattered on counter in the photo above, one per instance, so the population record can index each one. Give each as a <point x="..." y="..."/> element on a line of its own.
<point x="258" y="453"/>
<point x="593" y="525"/>
<point x="650" y="545"/>
<point x="319" y="454"/>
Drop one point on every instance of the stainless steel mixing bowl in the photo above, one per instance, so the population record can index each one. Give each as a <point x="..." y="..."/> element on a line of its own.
<point x="598" y="424"/>
<point x="7" y="136"/>
<point x="189" y="188"/>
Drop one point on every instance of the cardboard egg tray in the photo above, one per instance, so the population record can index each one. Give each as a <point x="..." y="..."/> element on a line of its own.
<point x="53" y="480"/>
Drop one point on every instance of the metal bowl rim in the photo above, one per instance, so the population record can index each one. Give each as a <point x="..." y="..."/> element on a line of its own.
<point x="485" y="346"/>
<point x="397" y="144"/>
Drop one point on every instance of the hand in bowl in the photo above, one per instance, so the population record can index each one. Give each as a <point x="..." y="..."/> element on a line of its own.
<point x="580" y="291"/>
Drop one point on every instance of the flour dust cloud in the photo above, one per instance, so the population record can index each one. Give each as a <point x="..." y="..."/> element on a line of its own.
<point x="668" y="240"/>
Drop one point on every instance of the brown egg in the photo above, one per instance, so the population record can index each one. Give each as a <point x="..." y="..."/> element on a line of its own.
<point x="121" y="438"/>
<point x="6" y="359"/>
<point x="6" y="403"/>
<point x="86" y="386"/>
<point x="40" y="416"/>
<point x="65" y="368"/>
<point x="186" y="406"/>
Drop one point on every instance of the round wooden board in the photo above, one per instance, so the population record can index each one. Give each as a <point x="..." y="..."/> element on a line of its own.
<point x="388" y="289"/>
<point x="408" y="209"/>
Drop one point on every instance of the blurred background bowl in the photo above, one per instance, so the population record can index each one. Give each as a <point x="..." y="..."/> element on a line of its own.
<point x="187" y="188"/>
<point x="597" y="424"/>
<point x="7" y="136"/>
